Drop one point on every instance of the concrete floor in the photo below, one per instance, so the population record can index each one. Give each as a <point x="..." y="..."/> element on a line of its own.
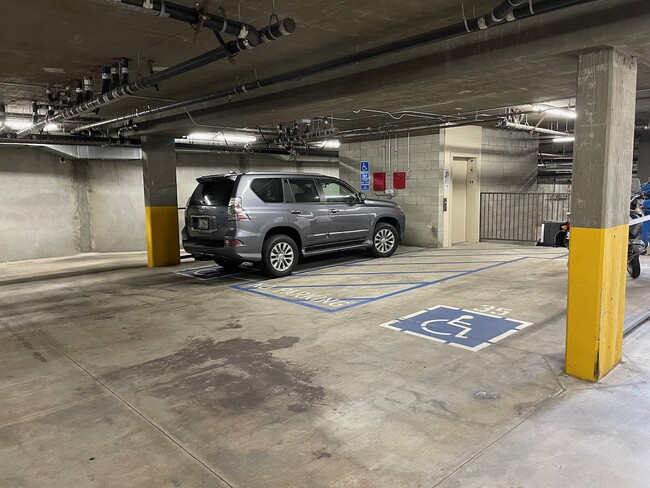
<point x="115" y="375"/>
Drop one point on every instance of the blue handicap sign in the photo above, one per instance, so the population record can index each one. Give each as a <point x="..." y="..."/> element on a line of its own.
<point x="365" y="187"/>
<point x="462" y="328"/>
<point x="365" y="166"/>
<point x="365" y="177"/>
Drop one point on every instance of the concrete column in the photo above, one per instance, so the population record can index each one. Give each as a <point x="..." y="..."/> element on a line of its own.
<point x="643" y="167"/>
<point x="161" y="201"/>
<point x="602" y="174"/>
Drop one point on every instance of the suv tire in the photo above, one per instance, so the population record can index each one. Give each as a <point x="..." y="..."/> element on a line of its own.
<point x="384" y="241"/>
<point x="279" y="256"/>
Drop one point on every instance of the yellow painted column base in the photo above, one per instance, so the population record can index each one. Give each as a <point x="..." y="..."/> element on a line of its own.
<point x="596" y="301"/>
<point x="163" y="247"/>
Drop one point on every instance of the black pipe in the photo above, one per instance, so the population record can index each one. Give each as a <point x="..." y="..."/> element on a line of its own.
<point x="194" y="17"/>
<point x="501" y="12"/>
<point x="106" y="79"/>
<point x="280" y="29"/>
<point x="438" y="35"/>
<point x="78" y="90"/>
<point x="34" y="112"/>
<point x="125" y="71"/>
<point x="232" y="48"/>
<point x="88" y="89"/>
<point x="115" y="76"/>
<point x="3" y="116"/>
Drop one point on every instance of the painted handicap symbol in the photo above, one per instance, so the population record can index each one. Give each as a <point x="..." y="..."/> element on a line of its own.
<point x="457" y="322"/>
<point x="466" y="329"/>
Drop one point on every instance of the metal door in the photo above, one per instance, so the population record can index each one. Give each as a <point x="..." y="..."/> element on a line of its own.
<point x="306" y="210"/>
<point x="350" y="219"/>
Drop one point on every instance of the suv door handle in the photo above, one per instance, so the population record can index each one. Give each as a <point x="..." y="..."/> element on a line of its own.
<point x="296" y="212"/>
<point x="334" y="210"/>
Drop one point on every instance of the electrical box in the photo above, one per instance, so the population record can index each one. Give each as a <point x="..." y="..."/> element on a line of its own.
<point x="379" y="181"/>
<point x="399" y="180"/>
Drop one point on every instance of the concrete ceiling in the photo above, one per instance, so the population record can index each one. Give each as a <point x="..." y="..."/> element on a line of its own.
<point x="529" y="61"/>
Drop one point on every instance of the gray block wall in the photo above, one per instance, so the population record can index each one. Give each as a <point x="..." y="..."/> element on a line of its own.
<point x="422" y="198"/>
<point x="52" y="209"/>
<point x="508" y="161"/>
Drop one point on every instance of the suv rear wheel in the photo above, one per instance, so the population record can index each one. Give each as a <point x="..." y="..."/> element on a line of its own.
<point x="384" y="241"/>
<point x="279" y="256"/>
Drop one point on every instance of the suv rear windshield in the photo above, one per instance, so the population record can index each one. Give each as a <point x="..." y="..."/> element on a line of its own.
<point x="213" y="193"/>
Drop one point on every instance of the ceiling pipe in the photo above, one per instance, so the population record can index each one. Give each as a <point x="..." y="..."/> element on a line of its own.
<point x="270" y="33"/>
<point x="3" y="116"/>
<point x="438" y="35"/>
<point x="232" y="48"/>
<point x="502" y="12"/>
<point x="504" y="124"/>
<point x="191" y="16"/>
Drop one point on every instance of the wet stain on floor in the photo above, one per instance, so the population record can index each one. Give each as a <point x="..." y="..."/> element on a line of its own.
<point x="237" y="375"/>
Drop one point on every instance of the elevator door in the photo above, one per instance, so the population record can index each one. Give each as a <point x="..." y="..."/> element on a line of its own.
<point x="458" y="200"/>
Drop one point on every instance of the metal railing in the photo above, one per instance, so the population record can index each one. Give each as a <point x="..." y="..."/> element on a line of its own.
<point x="519" y="216"/>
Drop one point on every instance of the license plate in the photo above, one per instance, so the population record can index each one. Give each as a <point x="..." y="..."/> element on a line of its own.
<point x="201" y="223"/>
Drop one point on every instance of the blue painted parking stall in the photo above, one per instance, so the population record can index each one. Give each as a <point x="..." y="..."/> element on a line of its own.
<point x="467" y="329"/>
<point x="370" y="280"/>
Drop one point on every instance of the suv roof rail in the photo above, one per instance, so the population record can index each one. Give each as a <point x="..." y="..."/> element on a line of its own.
<point x="281" y="173"/>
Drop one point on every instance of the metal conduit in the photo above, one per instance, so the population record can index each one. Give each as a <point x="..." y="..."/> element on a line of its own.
<point x="174" y="11"/>
<point x="268" y="34"/>
<point x="232" y="48"/>
<point x="438" y="35"/>
<point x="502" y="12"/>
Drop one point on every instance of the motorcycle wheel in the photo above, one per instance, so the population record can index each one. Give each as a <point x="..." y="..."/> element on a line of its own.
<point x="634" y="267"/>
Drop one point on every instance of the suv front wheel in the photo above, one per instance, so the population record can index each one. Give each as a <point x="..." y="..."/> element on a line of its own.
<point x="384" y="241"/>
<point x="279" y="256"/>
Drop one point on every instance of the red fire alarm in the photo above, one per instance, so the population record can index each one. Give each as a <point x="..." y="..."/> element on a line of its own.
<point x="379" y="181"/>
<point x="399" y="180"/>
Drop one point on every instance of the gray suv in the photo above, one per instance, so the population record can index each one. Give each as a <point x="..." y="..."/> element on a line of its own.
<point x="275" y="218"/>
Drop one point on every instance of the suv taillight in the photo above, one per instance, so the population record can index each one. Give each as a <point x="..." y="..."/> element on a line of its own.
<point x="235" y="210"/>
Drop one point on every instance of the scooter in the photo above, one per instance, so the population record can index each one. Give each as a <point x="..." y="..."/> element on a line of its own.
<point x="636" y="246"/>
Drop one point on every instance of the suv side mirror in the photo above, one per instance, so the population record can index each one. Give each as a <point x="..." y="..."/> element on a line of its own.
<point x="362" y="197"/>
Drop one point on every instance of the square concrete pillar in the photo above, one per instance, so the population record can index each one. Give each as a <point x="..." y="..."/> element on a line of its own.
<point x="161" y="201"/>
<point x="602" y="173"/>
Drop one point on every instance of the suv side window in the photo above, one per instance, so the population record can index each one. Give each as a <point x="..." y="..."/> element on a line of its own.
<point x="269" y="190"/>
<point x="302" y="190"/>
<point x="335" y="192"/>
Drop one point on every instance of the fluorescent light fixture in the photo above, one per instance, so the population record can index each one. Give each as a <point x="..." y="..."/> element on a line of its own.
<point x="331" y="144"/>
<point x="18" y="124"/>
<point x="564" y="139"/>
<point x="51" y="128"/>
<point x="55" y="71"/>
<point x="559" y="112"/>
<point x="220" y="138"/>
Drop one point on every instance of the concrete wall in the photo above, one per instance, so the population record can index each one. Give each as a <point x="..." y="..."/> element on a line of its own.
<point x="53" y="209"/>
<point x="422" y="198"/>
<point x="115" y="203"/>
<point x="39" y="216"/>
